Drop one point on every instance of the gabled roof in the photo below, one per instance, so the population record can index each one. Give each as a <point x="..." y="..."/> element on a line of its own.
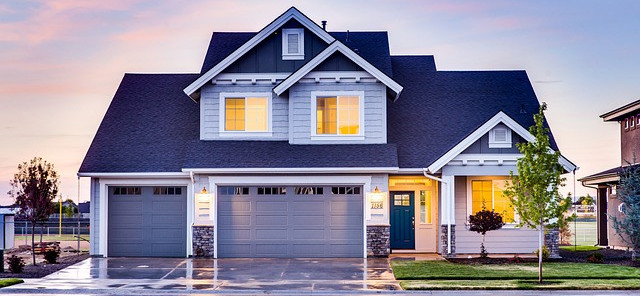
<point x="619" y="113"/>
<point x="291" y="13"/>
<point x="608" y="176"/>
<point x="150" y="127"/>
<point x="500" y="117"/>
<point x="333" y="48"/>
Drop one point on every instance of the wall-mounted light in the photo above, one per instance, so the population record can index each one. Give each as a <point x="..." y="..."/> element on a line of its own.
<point x="203" y="196"/>
<point x="376" y="198"/>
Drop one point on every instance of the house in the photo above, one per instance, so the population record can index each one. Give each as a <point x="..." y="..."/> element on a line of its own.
<point x="299" y="142"/>
<point x="605" y="182"/>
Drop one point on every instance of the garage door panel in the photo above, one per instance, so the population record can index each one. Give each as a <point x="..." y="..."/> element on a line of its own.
<point x="271" y="234"/>
<point x="149" y="222"/>
<point x="271" y="206"/>
<point x="290" y="224"/>
<point x="238" y="206"/>
<point x="234" y="234"/>
<point x="271" y="220"/>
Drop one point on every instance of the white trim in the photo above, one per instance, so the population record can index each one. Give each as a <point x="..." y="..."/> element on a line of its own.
<point x="249" y="78"/>
<point x="328" y="170"/>
<point x="154" y="175"/>
<point x="470" y="197"/>
<point x="364" y="181"/>
<point x="338" y="136"/>
<point x="104" y="211"/>
<point x="291" y="13"/>
<point x="286" y="55"/>
<point x="493" y="143"/>
<point x="500" y="117"/>
<point x="335" y="47"/>
<point x="222" y="133"/>
<point x="485" y="159"/>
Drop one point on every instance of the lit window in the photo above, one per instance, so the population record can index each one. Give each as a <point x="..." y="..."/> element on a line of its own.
<point x="337" y="115"/>
<point x="488" y="194"/>
<point x="246" y="113"/>
<point x="293" y="44"/>
<point x="500" y="137"/>
<point x="425" y="207"/>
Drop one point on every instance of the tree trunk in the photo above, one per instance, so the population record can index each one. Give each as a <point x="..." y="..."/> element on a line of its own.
<point x="540" y="239"/>
<point x="33" y="242"/>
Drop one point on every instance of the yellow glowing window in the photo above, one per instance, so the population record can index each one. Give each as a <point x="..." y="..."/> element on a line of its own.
<point x="425" y="207"/>
<point x="489" y="194"/>
<point x="246" y="114"/>
<point x="338" y="115"/>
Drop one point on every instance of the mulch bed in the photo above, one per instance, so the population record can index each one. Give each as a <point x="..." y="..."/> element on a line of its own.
<point x="611" y="256"/>
<point x="43" y="269"/>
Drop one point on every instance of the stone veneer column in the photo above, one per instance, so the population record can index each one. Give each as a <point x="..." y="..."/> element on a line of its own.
<point x="552" y="241"/>
<point x="445" y="242"/>
<point x="202" y="241"/>
<point x="378" y="241"/>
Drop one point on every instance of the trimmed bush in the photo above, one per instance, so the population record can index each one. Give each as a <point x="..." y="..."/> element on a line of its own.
<point x="545" y="253"/>
<point x="16" y="264"/>
<point x="51" y="256"/>
<point x="595" y="258"/>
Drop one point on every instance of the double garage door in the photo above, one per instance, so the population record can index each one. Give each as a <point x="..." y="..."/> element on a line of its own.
<point x="255" y="221"/>
<point x="290" y="221"/>
<point x="147" y="221"/>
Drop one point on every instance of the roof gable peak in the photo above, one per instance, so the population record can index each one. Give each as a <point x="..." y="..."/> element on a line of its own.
<point x="291" y="13"/>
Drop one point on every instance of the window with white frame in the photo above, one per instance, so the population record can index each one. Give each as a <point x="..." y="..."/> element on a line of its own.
<point x="337" y="114"/>
<point x="487" y="193"/>
<point x="500" y="137"/>
<point x="293" y="44"/>
<point x="245" y="113"/>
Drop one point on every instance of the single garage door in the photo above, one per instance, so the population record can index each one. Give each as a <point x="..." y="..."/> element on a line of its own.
<point x="290" y="221"/>
<point x="147" y="221"/>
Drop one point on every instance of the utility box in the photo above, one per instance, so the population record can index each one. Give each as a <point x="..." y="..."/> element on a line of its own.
<point x="6" y="229"/>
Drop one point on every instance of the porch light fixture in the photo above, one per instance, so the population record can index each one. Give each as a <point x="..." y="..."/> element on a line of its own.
<point x="377" y="195"/>
<point x="203" y="196"/>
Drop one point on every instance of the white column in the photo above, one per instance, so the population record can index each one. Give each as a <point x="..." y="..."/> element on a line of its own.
<point x="448" y="206"/>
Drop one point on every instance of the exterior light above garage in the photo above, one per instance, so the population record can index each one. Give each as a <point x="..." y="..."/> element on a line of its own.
<point x="203" y="196"/>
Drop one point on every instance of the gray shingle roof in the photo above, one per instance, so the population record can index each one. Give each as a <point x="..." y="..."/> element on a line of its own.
<point x="151" y="126"/>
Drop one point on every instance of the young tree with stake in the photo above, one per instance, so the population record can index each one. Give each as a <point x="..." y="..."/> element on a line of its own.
<point x="34" y="187"/>
<point x="534" y="190"/>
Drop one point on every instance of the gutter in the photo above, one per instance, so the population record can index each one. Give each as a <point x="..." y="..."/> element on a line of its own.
<point x="448" y="204"/>
<point x="328" y="170"/>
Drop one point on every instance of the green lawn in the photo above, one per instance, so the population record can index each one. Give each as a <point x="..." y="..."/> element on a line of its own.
<point x="444" y="270"/>
<point x="580" y="248"/>
<point x="49" y="238"/>
<point x="9" y="282"/>
<point x="559" y="284"/>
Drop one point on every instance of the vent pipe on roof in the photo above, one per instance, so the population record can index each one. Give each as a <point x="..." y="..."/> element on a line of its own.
<point x="324" y="25"/>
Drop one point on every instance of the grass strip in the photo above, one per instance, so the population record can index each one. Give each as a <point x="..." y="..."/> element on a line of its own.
<point x="444" y="270"/>
<point x="559" y="284"/>
<point x="580" y="248"/>
<point x="9" y="282"/>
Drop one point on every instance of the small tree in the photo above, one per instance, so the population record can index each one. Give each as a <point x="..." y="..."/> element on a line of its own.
<point x="34" y="187"/>
<point x="534" y="190"/>
<point x="628" y="224"/>
<point x="483" y="222"/>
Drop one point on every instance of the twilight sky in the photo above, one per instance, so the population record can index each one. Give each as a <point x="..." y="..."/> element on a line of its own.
<point x="61" y="61"/>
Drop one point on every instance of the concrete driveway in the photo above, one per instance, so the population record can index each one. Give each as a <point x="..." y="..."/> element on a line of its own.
<point x="185" y="275"/>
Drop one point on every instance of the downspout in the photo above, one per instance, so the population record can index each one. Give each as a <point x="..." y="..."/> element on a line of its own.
<point x="448" y="203"/>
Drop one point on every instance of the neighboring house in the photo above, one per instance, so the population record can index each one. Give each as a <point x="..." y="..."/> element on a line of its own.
<point x="608" y="205"/>
<point x="299" y="142"/>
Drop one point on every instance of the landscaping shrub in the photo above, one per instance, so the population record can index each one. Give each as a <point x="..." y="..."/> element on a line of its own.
<point x="545" y="253"/>
<point x="516" y="259"/>
<point x="51" y="256"/>
<point x="16" y="264"/>
<point x="595" y="258"/>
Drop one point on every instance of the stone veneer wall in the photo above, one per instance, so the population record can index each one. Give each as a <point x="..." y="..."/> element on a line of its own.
<point x="378" y="241"/>
<point x="552" y="241"/>
<point x="444" y="241"/>
<point x="202" y="241"/>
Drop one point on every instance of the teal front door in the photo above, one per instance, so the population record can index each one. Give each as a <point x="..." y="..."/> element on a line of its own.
<point x="402" y="220"/>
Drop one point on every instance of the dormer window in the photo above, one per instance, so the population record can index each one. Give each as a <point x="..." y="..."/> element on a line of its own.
<point x="500" y="137"/>
<point x="293" y="44"/>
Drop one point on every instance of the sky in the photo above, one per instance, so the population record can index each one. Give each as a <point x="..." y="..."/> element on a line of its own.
<point x="61" y="61"/>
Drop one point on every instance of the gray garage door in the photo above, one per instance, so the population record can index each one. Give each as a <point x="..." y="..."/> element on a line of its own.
<point x="147" y="221"/>
<point x="290" y="221"/>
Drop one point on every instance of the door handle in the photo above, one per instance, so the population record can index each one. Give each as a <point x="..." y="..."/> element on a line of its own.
<point x="413" y="222"/>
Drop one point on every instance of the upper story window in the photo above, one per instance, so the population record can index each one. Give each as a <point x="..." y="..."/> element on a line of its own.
<point x="500" y="137"/>
<point x="338" y="114"/>
<point x="293" y="44"/>
<point x="245" y="114"/>
<point x="626" y="124"/>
